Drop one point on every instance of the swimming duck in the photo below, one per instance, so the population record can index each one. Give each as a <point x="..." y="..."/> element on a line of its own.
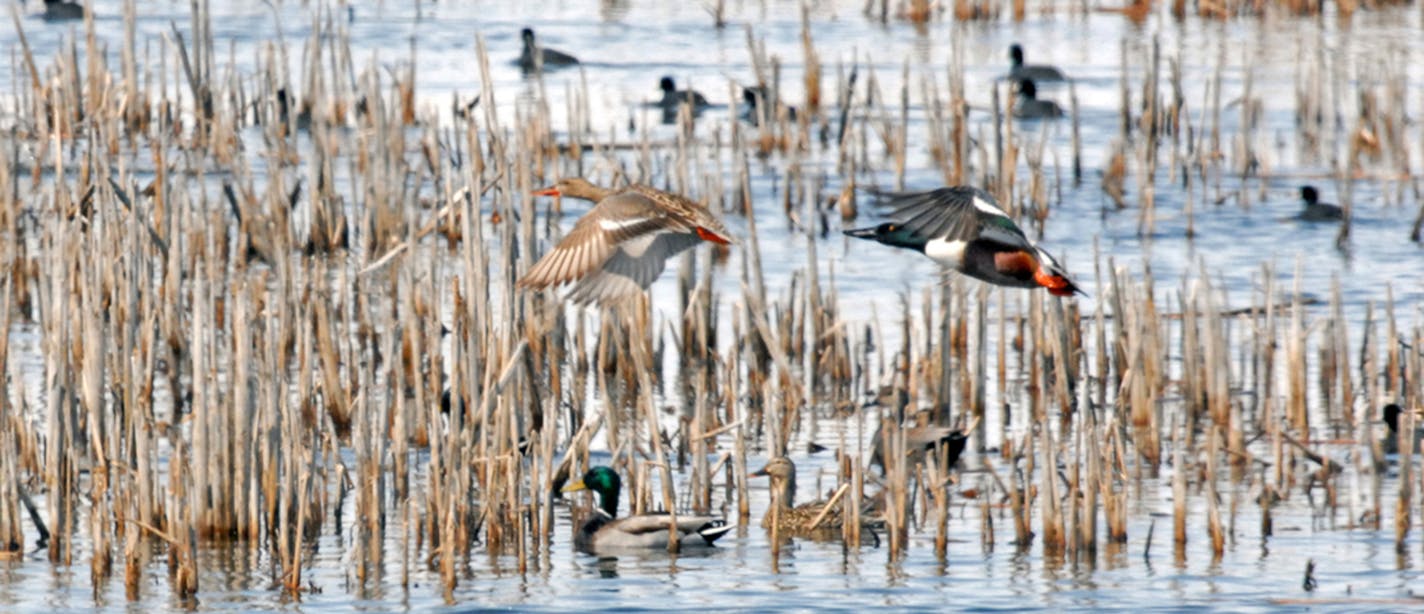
<point x="962" y="228"/>
<point x="798" y="519"/>
<point x="60" y="10"/>
<point x="673" y="97"/>
<point x="617" y="249"/>
<point x="533" y="58"/>
<point x="602" y="531"/>
<point x="1028" y="106"/>
<point x="1036" y="72"/>
<point x="756" y="96"/>
<point x="1316" y="211"/>
<point x="920" y="439"/>
<point x="1390" y="442"/>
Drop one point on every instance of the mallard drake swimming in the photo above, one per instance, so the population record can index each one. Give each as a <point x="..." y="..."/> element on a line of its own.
<point x="534" y="58"/>
<point x="1028" y="106"/>
<point x="963" y="229"/>
<point x="1035" y="72"/>
<point x="801" y="519"/>
<point x="1316" y="211"/>
<point x="673" y="97"/>
<point x="1390" y="443"/>
<point x="617" y="249"/>
<point x="603" y="531"/>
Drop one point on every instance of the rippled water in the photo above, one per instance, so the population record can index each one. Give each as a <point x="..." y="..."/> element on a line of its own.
<point x="627" y="45"/>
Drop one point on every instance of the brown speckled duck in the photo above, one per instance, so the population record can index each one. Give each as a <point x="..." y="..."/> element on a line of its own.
<point x="617" y="249"/>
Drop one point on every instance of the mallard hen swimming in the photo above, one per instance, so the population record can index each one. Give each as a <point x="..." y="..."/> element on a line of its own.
<point x="802" y="519"/>
<point x="603" y="531"/>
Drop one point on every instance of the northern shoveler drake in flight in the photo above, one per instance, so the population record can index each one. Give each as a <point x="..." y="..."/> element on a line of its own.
<point x="534" y="58"/>
<point x="1036" y="72"/>
<point x="962" y="228"/>
<point x="617" y="249"/>
<point x="1028" y="106"/>
<point x="1316" y="211"/>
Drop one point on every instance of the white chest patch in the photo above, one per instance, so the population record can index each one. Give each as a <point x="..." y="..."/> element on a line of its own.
<point x="947" y="253"/>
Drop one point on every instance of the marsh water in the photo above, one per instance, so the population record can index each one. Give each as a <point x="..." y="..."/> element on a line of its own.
<point x="1239" y="226"/>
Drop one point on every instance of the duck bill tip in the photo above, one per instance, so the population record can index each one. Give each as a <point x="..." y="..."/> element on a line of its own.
<point x="860" y="233"/>
<point x="574" y="487"/>
<point x="549" y="191"/>
<point x="759" y="473"/>
<point x="712" y="237"/>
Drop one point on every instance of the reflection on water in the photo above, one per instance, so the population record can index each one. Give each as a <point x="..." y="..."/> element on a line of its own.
<point x="627" y="46"/>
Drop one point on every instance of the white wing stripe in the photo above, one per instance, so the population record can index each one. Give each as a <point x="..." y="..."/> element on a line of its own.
<point x="613" y="225"/>
<point x="987" y="207"/>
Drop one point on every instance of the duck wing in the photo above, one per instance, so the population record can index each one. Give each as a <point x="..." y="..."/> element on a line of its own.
<point x="959" y="213"/>
<point x="631" y="268"/>
<point x="626" y="222"/>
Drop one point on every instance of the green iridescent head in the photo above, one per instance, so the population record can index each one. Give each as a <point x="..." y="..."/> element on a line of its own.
<point x="605" y="482"/>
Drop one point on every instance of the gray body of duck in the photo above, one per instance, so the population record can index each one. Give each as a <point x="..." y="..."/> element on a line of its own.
<point x="919" y="440"/>
<point x="604" y="532"/>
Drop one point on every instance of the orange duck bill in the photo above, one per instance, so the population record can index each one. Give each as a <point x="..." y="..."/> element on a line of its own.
<point x="712" y="237"/>
<point x="1057" y="285"/>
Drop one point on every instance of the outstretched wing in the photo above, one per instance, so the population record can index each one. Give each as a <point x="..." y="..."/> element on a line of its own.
<point x="596" y="238"/>
<point x="632" y="267"/>
<point x="959" y="213"/>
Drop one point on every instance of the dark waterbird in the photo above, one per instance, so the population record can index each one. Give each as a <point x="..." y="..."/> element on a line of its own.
<point x="603" y="531"/>
<point x="921" y="439"/>
<point x="534" y="58"/>
<point x="964" y="229"/>
<point x="1390" y="443"/>
<point x="1028" y="106"/>
<point x="758" y="98"/>
<point x="673" y="97"/>
<point x="1035" y="72"/>
<point x="1316" y="211"/>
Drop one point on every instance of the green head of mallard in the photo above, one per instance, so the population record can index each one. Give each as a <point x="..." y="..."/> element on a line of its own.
<point x="605" y="482"/>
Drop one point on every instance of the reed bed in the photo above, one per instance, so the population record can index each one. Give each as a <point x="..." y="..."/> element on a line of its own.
<point x="272" y="306"/>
